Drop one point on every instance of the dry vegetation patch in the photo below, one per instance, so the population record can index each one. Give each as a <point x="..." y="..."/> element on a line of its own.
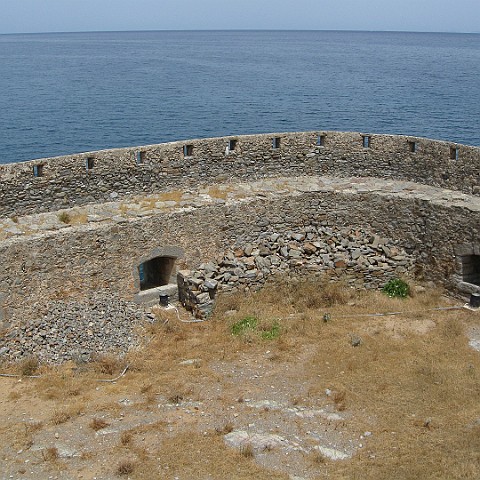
<point x="401" y="404"/>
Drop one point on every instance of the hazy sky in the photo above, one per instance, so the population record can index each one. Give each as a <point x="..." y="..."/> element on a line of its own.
<point x="18" y="16"/>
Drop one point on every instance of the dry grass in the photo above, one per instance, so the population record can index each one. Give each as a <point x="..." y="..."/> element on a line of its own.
<point x="64" y="217"/>
<point x="78" y="218"/>
<point x="65" y="413"/>
<point x="414" y="382"/>
<point x="28" y="366"/>
<point x="98" y="424"/>
<point x="339" y="400"/>
<point x="14" y="396"/>
<point x="125" y="467"/>
<point x="175" y="196"/>
<point x="64" y="384"/>
<point x="217" y="192"/>
<point x="225" y="428"/>
<point x="317" y="458"/>
<point x="193" y="455"/>
<point x="107" y="364"/>
<point x="60" y="416"/>
<point x="50" y="454"/>
<point x="126" y="438"/>
<point x="246" y="450"/>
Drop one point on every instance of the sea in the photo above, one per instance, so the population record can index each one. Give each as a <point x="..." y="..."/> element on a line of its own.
<point x="63" y="93"/>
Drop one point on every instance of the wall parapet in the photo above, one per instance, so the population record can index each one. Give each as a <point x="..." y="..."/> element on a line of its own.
<point x="61" y="182"/>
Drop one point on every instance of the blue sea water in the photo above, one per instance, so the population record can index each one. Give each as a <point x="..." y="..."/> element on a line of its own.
<point x="76" y="92"/>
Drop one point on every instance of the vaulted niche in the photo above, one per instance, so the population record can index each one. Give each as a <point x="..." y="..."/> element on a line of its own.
<point x="471" y="269"/>
<point x="155" y="272"/>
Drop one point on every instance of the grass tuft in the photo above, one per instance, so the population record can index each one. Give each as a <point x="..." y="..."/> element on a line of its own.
<point x="107" y="364"/>
<point x="317" y="458"/>
<point x="50" y="454"/>
<point x="271" y="333"/>
<point x="339" y="400"/>
<point x="98" y="424"/>
<point x="125" y="467"/>
<point x="64" y="217"/>
<point x="126" y="438"/>
<point x="247" y="323"/>
<point x="225" y="428"/>
<point x="246" y="450"/>
<point x="29" y="366"/>
<point x="60" y="416"/>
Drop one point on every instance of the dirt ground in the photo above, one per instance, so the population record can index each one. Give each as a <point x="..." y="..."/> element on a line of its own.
<point x="311" y="386"/>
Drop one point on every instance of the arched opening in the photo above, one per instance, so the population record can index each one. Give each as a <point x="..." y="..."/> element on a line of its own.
<point x="155" y="272"/>
<point x="471" y="269"/>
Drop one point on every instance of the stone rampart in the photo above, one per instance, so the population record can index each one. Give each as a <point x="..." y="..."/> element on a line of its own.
<point x="359" y="208"/>
<point x="51" y="184"/>
<point x="78" y="259"/>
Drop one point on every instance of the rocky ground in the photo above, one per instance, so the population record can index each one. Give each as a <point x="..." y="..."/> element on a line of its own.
<point x="198" y="402"/>
<point x="74" y="330"/>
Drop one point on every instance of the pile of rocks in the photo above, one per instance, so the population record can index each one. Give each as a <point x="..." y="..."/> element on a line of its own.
<point x="196" y="292"/>
<point x="74" y="330"/>
<point x="361" y="259"/>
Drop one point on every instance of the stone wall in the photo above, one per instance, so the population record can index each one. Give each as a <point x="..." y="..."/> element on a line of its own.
<point x="54" y="183"/>
<point x="348" y="254"/>
<point x="71" y="263"/>
<point x="70" y="289"/>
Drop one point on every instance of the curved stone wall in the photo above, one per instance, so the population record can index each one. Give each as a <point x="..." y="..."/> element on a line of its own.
<point x="331" y="203"/>
<point x="50" y="184"/>
<point x="103" y="255"/>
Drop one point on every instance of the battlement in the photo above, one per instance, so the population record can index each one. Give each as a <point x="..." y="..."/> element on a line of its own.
<point x="53" y="183"/>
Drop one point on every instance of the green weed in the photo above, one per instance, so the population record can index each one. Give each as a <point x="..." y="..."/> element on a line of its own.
<point x="396" y="288"/>
<point x="272" y="333"/>
<point x="247" y="323"/>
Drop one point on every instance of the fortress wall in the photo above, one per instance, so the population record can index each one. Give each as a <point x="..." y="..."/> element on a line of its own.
<point x="81" y="261"/>
<point x="66" y="181"/>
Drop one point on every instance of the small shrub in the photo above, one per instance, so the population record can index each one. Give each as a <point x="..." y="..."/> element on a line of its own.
<point x="64" y="217"/>
<point x="29" y="366"/>
<point x="33" y="427"/>
<point x="126" y="438"/>
<point x="147" y="388"/>
<point x="125" y="467"/>
<point x="226" y="428"/>
<point x="107" y="364"/>
<point x="339" y="400"/>
<point x="396" y="288"/>
<point x="14" y="396"/>
<point x="60" y="416"/>
<point x="272" y="333"/>
<point x="175" y="398"/>
<point x="247" y="323"/>
<point x="317" y="458"/>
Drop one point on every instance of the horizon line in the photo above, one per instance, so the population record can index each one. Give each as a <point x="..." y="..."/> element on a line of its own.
<point x="240" y="30"/>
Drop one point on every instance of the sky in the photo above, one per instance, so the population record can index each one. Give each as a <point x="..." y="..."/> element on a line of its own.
<point x="31" y="16"/>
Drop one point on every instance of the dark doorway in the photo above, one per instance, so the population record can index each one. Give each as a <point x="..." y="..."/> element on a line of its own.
<point x="471" y="269"/>
<point x="155" y="272"/>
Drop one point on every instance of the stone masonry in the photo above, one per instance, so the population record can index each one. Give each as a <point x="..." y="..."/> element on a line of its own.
<point x="72" y="240"/>
<point x="63" y="182"/>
